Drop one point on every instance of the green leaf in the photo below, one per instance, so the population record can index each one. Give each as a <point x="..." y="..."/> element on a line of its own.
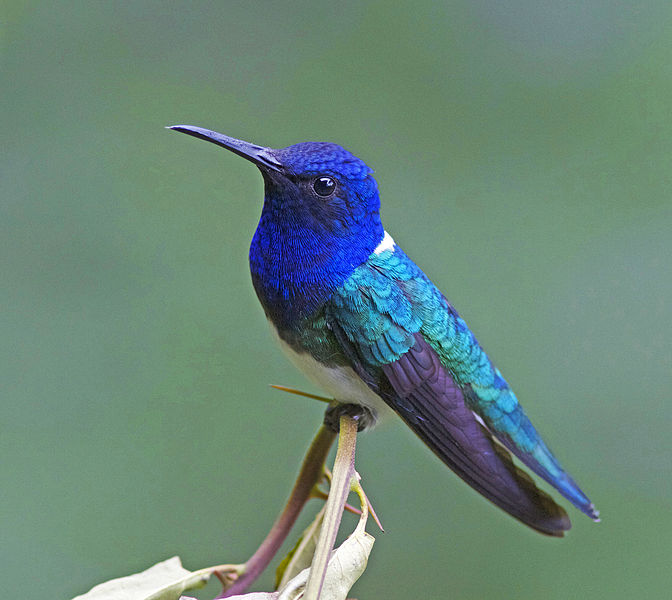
<point x="163" y="581"/>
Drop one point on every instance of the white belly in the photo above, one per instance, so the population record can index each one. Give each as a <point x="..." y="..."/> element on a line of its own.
<point x="340" y="383"/>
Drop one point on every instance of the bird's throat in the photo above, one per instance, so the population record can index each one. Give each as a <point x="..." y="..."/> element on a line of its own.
<point x="294" y="273"/>
<point x="291" y="280"/>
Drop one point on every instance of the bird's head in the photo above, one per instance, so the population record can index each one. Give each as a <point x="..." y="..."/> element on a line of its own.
<point x="321" y="214"/>
<point x="313" y="185"/>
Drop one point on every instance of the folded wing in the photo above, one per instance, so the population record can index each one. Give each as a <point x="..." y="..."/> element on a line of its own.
<point x="427" y="398"/>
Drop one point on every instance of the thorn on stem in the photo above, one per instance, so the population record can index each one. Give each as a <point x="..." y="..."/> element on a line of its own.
<point x="289" y="390"/>
<point x="374" y="515"/>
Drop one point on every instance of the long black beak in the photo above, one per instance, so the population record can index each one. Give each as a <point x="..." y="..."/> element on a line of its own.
<point x="262" y="157"/>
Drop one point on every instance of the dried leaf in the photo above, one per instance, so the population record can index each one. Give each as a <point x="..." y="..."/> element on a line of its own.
<point x="301" y="555"/>
<point x="163" y="581"/>
<point x="346" y="565"/>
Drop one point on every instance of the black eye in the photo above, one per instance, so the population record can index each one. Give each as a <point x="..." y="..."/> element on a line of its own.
<point x="324" y="186"/>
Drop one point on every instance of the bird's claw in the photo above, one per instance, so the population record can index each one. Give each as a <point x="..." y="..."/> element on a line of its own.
<point x="361" y="414"/>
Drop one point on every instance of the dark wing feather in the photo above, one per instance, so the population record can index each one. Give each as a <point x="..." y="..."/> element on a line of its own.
<point x="424" y="394"/>
<point x="430" y="402"/>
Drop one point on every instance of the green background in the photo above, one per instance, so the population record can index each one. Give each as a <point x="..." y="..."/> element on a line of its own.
<point x="523" y="153"/>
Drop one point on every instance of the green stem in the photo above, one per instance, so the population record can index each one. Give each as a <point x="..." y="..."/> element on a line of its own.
<point x="309" y="476"/>
<point x="344" y="469"/>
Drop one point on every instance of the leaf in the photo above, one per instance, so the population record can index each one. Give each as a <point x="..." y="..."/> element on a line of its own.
<point x="346" y="565"/>
<point x="301" y="555"/>
<point x="163" y="581"/>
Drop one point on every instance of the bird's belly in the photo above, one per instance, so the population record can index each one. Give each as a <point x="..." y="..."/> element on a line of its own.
<point x="340" y="383"/>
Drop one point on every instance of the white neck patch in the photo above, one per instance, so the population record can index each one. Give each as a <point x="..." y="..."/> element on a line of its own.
<point x="387" y="243"/>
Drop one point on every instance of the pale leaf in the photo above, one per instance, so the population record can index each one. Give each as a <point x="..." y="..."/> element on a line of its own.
<point x="346" y="565"/>
<point x="163" y="581"/>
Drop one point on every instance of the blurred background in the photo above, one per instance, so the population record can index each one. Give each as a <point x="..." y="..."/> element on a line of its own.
<point x="523" y="153"/>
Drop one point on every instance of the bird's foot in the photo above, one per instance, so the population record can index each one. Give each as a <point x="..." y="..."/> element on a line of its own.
<point x="364" y="417"/>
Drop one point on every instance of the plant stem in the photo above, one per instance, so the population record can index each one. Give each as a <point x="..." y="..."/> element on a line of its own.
<point x="344" y="469"/>
<point x="309" y="476"/>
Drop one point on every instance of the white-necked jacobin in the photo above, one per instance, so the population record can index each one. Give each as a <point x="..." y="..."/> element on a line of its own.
<point x="366" y="324"/>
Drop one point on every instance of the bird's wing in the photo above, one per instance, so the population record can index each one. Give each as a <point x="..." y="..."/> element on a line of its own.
<point x="411" y="347"/>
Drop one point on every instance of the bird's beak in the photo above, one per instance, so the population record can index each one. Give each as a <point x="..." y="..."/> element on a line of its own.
<point x="262" y="157"/>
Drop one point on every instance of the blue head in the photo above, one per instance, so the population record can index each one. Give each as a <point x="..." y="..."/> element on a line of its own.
<point x="319" y="222"/>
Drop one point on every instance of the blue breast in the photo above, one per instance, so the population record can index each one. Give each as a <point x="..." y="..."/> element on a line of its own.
<point x="302" y="252"/>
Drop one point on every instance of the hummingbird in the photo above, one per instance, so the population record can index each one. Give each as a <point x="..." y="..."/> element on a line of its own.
<point x="362" y="321"/>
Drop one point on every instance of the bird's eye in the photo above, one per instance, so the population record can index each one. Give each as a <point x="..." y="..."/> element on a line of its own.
<point x="324" y="186"/>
